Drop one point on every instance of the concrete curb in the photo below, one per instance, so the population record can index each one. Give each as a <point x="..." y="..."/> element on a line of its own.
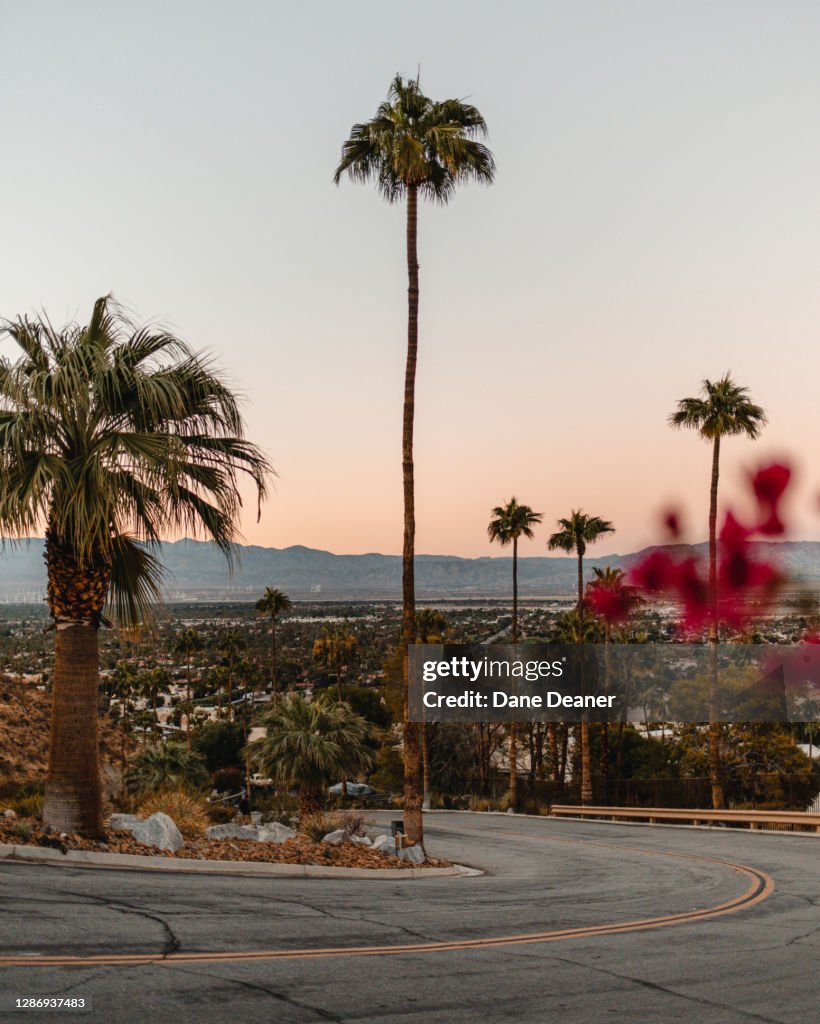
<point x="253" y="869"/>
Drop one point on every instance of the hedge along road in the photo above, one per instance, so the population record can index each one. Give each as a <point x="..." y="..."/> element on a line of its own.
<point x="572" y="920"/>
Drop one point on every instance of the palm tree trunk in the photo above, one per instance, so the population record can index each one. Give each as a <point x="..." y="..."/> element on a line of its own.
<point x="513" y="793"/>
<point x="273" y="653"/>
<point x="413" y="825"/>
<point x="73" y="797"/>
<point x="718" y="798"/>
<point x="586" y="777"/>
<point x="580" y="581"/>
<point x="425" y="766"/>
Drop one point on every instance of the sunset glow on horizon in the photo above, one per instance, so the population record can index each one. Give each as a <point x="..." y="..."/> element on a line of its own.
<point x="653" y="223"/>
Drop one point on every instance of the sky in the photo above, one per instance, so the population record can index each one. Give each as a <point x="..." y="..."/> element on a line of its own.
<point x="655" y="220"/>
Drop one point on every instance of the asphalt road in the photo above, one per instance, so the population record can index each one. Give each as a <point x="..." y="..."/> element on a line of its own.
<point x="756" y="960"/>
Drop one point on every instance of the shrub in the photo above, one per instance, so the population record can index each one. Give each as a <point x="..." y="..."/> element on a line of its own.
<point x="22" y="831"/>
<point x="189" y="810"/>
<point x="30" y="806"/>
<point x="220" y="814"/>
<point x="168" y="766"/>
<point x="316" y="826"/>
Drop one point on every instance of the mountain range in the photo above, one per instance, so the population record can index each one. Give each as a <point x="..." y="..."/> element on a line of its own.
<point x="196" y="570"/>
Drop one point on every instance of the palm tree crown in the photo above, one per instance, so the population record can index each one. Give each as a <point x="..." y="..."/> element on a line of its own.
<point x="273" y="602"/>
<point x="308" y="744"/>
<point x="512" y="521"/>
<point x="110" y="435"/>
<point x="722" y="409"/>
<point x="416" y="142"/>
<point x="577" y="531"/>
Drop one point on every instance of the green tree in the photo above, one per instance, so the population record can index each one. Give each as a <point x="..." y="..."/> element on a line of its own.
<point x="308" y="745"/>
<point x="613" y="601"/>
<point x="723" y="409"/>
<point x="431" y="625"/>
<point x="509" y="523"/>
<point x="334" y="650"/>
<point x="576" y="533"/>
<point x="272" y="603"/>
<point x="186" y="643"/>
<point x="167" y="766"/>
<point x="110" y="436"/>
<point x="231" y="643"/>
<point x="415" y="146"/>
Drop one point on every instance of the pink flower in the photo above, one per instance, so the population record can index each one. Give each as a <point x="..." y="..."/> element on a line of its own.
<point x="769" y="485"/>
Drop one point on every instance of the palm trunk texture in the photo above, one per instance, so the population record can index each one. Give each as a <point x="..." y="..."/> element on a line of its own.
<point x="413" y="825"/>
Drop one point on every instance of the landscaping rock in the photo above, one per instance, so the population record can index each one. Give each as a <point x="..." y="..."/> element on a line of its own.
<point x="361" y="840"/>
<point x="123" y="822"/>
<point x="9" y="813"/>
<point x="385" y="843"/>
<point x="256" y="817"/>
<point x="335" y="838"/>
<point x="274" y="832"/>
<point x="414" y="854"/>
<point x="159" y="831"/>
<point x="231" y="831"/>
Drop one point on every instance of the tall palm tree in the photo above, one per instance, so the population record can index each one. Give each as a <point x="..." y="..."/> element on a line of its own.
<point x="308" y="745"/>
<point x="273" y="602"/>
<point x="413" y="147"/>
<point x="576" y="532"/>
<point x="110" y="435"/>
<point x="613" y="601"/>
<point x="510" y="522"/>
<point x="431" y="625"/>
<point x="573" y="627"/>
<point x="231" y="644"/>
<point x="186" y="643"/>
<point x="723" y="409"/>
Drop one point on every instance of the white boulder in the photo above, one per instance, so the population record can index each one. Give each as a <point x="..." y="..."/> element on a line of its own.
<point x="159" y="831"/>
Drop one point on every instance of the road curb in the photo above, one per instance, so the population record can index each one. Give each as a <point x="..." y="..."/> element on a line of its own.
<point x="251" y="869"/>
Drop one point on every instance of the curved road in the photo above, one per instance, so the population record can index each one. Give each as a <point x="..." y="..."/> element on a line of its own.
<point x="572" y="921"/>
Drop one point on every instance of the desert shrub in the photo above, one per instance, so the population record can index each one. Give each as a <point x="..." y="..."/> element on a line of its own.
<point x="189" y="810"/>
<point x="22" y="831"/>
<point x="220" y="814"/>
<point x="168" y="766"/>
<point x="316" y="826"/>
<point x="29" y="806"/>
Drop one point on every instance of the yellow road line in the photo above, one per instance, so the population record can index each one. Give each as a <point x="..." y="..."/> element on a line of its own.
<point x="760" y="888"/>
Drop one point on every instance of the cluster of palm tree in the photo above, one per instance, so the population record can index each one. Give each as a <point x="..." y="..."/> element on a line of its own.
<point x="113" y="435"/>
<point x="508" y="524"/>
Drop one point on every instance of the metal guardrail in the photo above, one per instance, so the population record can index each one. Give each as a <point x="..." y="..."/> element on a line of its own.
<point x="693" y="815"/>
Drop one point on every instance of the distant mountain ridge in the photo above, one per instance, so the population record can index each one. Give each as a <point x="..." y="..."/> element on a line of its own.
<point x="197" y="570"/>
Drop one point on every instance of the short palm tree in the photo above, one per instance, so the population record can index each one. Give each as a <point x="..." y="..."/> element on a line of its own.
<point x="169" y="765"/>
<point x="413" y="147"/>
<point x="723" y="409"/>
<point x="510" y="522"/>
<point x="110" y="435"/>
<point x="272" y="603"/>
<point x="309" y="745"/>
<point x="576" y="533"/>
